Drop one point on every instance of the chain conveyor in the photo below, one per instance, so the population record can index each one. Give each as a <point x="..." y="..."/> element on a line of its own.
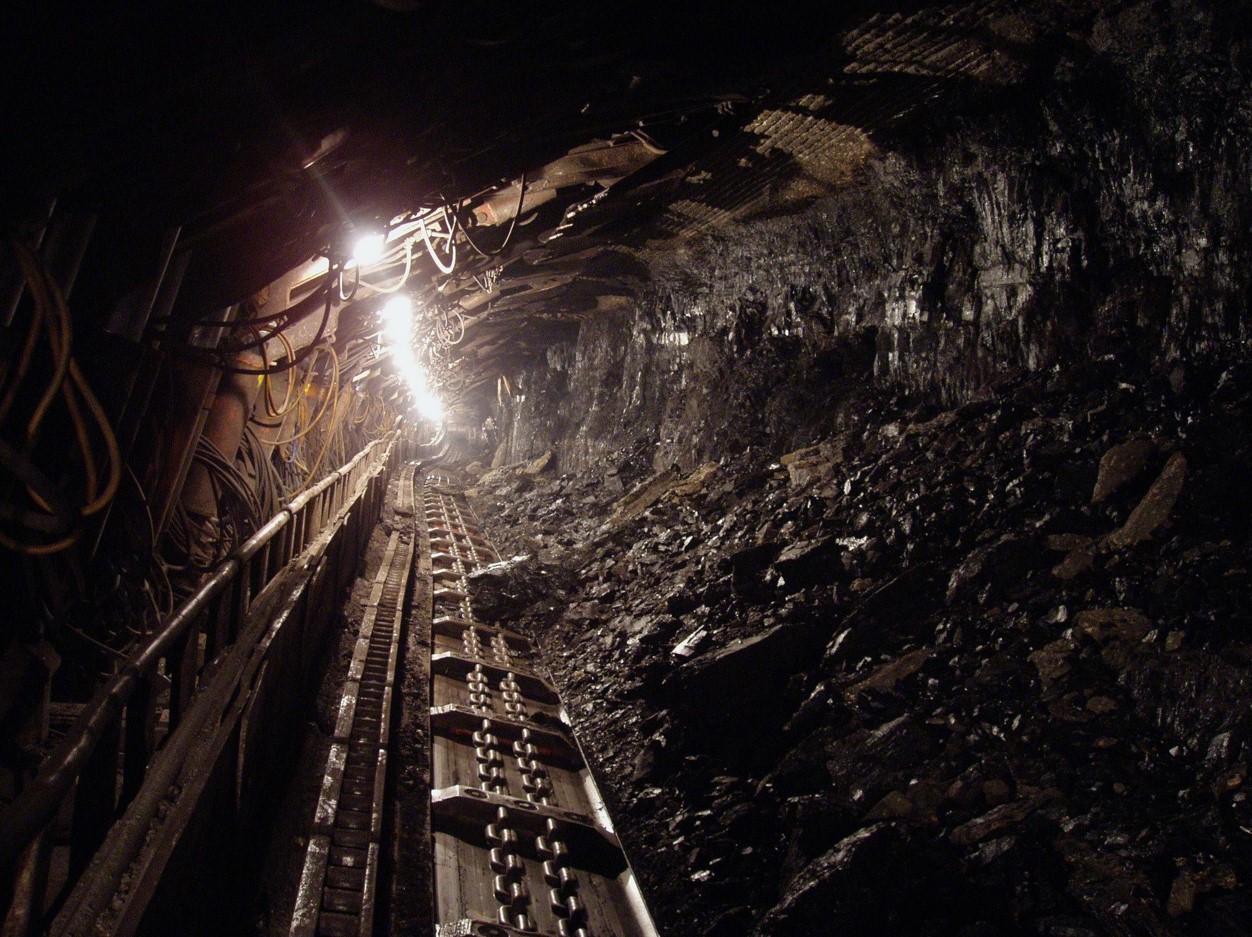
<point x="522" y="842"/>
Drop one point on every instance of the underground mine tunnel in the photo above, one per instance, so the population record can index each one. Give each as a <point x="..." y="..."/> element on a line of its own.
<point x="618" y="470"/>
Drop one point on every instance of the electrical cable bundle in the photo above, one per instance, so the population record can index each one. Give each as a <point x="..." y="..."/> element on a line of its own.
<point x="135" y="594"/>
<point x="370" y="417"/>
<point x="256" y="466"/>
<point x="335" y="441"/>
<point x="39" y="518"/>
<point x="197" y="545"/>
<point x="259" y="330"/>
<point x="239" y="511"/>
<point x="237" y="501"/>
<point x="192" y="548"/>
<point x="305" y="423"/>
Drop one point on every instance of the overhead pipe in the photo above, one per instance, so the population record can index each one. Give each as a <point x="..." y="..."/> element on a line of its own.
<point x="503" y="204"/>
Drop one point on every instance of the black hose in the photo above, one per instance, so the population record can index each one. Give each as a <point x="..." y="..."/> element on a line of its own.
<point x="329" y="287"/>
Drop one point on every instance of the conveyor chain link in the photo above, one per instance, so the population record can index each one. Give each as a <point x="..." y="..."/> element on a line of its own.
<point x="508" y="874"/>
<point x="514" y="811"/>
<point x="562" y="883"/>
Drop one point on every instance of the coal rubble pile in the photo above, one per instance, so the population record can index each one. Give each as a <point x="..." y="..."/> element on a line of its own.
<point x="972" y="672"/>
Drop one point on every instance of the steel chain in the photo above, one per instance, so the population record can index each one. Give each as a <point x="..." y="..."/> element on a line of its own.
<point x="562" y="883"/>
<point x="479" y="692"/>
<point x="509" y="881"/>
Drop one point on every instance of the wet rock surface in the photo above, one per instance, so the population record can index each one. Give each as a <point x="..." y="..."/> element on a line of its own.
<point x="854" y="689"/>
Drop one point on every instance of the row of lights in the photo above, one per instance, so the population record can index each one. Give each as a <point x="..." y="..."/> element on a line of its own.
<point x="397" y="318"/>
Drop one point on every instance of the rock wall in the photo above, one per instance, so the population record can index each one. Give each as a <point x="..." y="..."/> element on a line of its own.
<point x="980" y="672"/>
<point x="977" y="662"/>
<point x="1098" y="218"/>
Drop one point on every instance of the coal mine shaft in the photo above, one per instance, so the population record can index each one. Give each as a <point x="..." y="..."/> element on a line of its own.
<point x="492" y="469"/>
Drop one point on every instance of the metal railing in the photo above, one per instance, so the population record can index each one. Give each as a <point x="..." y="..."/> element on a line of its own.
<point x="113" y="735"/>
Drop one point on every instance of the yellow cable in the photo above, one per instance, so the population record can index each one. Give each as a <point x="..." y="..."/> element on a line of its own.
<point x="289" y="397"/>
<point x="28" y="350"/>
<point x="301" y="401"/>
<point x="61" y="348"/>
<point x="110" y="441"/>
<point x="330" y="434"/>
<point x="288" y="403"/>
<point x="80" y="428"/>
<point x="334" y="389"/>
<point x="84" y="443"/>
<point x="46" y="296"/>
<point x="331" y="391"/>
<point x="40" y="549"/>
<point x="60" y="344"/>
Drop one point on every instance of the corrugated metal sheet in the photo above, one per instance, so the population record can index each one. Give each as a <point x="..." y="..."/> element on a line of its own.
<point x="808" y="143"/>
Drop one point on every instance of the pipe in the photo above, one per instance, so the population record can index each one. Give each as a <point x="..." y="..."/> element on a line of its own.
<point x="503" y="205"/>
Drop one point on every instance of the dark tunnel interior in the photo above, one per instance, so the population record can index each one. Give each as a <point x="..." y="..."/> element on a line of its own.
<point x="626" y="469"/>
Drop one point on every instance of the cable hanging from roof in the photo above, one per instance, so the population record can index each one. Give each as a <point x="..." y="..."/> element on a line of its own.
<point x="52" y="525"/>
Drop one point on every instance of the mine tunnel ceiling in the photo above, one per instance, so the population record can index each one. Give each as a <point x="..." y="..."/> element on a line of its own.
<point x="619" y="131"/>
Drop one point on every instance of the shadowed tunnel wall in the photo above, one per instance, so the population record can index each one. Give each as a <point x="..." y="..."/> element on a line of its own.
<point x="1098" y="222"/>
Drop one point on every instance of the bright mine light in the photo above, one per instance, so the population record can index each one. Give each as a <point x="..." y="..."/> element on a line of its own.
<point x="397" y="319"/>
<point x="369" y="249"/>
<point x="406" y="365"/>
<point x="398" y="307"/>
<point x="429" y="406"/>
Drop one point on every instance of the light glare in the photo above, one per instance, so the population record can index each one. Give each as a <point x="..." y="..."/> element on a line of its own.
<point x="397" y="320"/>
<point x="398" y="307"/>
<point x="429" y="406"/>
<point x="369" y="249"/>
